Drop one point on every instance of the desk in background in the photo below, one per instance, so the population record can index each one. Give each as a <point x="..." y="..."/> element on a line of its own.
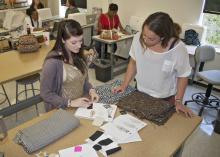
<point x="158" y="141"/>
<point x="15" y="65"/>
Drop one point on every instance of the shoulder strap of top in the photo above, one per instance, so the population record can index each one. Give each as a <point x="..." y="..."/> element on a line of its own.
<point x="173" y="43"/>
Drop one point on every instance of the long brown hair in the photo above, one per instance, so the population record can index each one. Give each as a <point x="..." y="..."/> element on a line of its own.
<point x="67" y="29"/>
<point x="161" y="24"/>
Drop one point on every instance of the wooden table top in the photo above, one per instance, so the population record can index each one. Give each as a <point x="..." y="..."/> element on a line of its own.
<point x="158" y="141"/>
<point x="15" y="65"/>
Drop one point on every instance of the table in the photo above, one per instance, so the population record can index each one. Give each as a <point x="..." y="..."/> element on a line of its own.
<point x="158" y="141"/>
<point x="15" y="65"/>
<point x="110" y="44"/>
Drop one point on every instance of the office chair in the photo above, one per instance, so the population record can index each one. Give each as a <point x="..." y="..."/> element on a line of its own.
<point x="203" y="54"/>
<point x="206" y="100"/>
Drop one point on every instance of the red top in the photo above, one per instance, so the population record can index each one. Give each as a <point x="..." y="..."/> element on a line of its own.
<point x="108" y="23"/>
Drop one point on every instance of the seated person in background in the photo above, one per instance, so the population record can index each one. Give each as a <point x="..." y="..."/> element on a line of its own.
<point x="110" y="20"/>
<point x="32" y="20"/>
<point x="36" y="4"/>
<point x="159" y="62"/>
<point x="71" y="8"/>
<point x="64" y="79"/>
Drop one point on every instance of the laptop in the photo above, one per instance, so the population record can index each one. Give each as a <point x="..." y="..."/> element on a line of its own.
<point x="90" y="19"/>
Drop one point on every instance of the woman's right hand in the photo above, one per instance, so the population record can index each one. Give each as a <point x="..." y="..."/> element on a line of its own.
<point x="119" y="89"/>
<point x="80" y="102"/>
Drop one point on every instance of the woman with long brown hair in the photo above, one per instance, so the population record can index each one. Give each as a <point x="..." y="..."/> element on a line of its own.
<point x="64" y="79"/>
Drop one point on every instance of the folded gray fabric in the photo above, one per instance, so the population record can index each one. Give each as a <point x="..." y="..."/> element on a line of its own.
<point x="46" y="131"/>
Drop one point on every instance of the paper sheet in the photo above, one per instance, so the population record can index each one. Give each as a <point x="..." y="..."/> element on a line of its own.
<point x="83" y="150"/>
<point x="105" y="111"/>
<point x="124" y="129"/>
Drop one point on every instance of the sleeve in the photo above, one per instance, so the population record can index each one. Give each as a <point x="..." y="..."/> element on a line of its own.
<point x="87" y="85"/>
<point x="183" y="67"/>
<point x="47" y="83"/>
<point x="132" y="49"/>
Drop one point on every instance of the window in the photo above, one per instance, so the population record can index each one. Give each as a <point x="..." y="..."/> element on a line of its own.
<point x="212" y="22"/>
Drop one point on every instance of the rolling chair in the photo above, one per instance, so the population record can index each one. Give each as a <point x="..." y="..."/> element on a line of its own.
<point x="202" y="54"/>
<point x="212" y="77"/>
<point x="206" y="100"/>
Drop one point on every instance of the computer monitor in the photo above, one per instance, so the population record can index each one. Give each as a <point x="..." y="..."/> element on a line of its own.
<point x="79" y="3"/>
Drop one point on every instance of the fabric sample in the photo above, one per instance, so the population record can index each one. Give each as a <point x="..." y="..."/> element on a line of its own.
<point x="147" y="107"/>
<point x="46" y="131"/>
<point x="106" y="95"/>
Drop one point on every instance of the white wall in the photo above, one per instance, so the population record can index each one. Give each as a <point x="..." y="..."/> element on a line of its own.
<point x="182" y="11"/>
<point x="97" y="3"/>
<point x="54" y="6"/>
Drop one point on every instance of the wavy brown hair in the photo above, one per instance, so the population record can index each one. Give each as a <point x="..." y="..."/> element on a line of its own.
<point x="161" y="24"/>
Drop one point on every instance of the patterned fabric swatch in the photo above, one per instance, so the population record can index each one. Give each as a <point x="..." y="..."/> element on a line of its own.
<point x="106" y="95"/>
<point x="147" y="107"/>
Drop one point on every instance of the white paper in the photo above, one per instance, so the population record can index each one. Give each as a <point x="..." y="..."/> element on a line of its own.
<point x="124" y="129"/>
<point x="129" y="122"/>
<point x="86" y="151"/>
<point x="99" y="110"/>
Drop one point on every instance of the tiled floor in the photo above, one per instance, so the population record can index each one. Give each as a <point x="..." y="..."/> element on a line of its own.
<point x="203" y="142"/>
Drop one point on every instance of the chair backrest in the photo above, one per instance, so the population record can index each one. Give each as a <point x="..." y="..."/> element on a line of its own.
<point x="204" y="53"/>
<point x="44" y="13"/>
<point x="79" y="17"/>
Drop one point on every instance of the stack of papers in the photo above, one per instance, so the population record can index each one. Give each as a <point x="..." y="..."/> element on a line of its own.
<point x="124" y="129"/>
<point x="99" y="110"/>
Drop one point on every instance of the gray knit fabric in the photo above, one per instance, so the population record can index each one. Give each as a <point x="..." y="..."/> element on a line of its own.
<point x="46" y="131"/>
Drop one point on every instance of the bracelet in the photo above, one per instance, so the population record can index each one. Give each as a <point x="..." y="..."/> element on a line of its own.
<point x="91" y="89"/>
<point x="69" y="103"/>
<point x="178" y="100"/>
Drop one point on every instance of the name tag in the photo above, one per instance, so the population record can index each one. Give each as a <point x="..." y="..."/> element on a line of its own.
<point x="168" y="66"/>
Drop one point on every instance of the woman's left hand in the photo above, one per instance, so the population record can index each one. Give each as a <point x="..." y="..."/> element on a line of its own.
<point x="94" y="96"/>
<point x="182" y="108"/>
